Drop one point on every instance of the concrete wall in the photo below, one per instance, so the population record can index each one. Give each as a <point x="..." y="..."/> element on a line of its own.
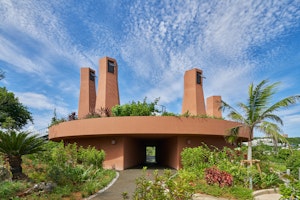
<point x="124" y="139"/>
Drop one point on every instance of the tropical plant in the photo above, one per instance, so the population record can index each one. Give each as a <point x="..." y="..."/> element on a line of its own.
<point x="14" y="145"/>
<point x="258" y="114"/>
<point x="13" y="114"/>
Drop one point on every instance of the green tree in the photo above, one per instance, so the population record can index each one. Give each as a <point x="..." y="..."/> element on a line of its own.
<point x="13" y="114"/>
<point x="259" y="114"/>
<point x="14" y="145"/>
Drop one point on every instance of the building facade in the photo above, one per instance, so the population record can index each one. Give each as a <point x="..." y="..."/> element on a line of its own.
<point x="125" y="139"/>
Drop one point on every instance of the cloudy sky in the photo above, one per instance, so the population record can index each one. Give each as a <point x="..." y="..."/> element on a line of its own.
<point x="43" y="45"/>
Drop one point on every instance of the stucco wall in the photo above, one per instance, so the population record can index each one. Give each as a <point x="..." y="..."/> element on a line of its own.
<point x="147" y="125"/>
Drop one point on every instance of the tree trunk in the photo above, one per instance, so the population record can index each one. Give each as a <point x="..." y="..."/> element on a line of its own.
<point x="15" y="167"/>
<point x="249" y="158"/>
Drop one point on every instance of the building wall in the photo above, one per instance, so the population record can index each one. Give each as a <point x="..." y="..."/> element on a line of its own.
<point x="134" y="152"/>
<point x="193" y="97"/>
<point x="108" y="89"/>
<point x="87" y="96"/>
<point x="213" y="104"/>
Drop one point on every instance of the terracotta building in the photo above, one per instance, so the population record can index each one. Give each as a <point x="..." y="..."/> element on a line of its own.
<point x="125" y="139"/>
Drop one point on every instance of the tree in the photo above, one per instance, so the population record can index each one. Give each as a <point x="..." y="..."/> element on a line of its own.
<point x="14" y="145"/>
<point x="13" y="114"/>
<point x="259" y="114"/>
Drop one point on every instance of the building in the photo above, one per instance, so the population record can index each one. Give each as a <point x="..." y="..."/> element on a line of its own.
<point x="125" y="139"/>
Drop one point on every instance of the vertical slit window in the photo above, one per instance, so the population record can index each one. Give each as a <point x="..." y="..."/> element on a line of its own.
<point x="198" y="77"/>
<point x="92" y="75"/>
<point x="111" y="66"/>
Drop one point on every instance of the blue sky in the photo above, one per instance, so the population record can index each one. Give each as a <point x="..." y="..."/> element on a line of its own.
<point x="43" y="45"/>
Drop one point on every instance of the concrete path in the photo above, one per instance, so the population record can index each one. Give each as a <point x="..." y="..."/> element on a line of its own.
<point x="126" y="184"/>
<point x="268" y="197"/>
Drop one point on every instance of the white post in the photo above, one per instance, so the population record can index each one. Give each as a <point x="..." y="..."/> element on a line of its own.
<point x="288" y="171"/>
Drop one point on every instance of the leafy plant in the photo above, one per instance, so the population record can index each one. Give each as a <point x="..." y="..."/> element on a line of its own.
<point x="293" y="163"/>
<point x="215" y="176"/>
<point x="162" y="187"/>
<point x="9" y="188"/>
<point x="14" y="145"/>
<point x="136" y="108"/>
<point x="91" y="156"/>
<point x="290" y="191"/>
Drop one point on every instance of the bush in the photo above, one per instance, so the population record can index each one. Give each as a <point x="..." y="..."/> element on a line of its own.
<point x="162" y="187"/>
<point x="293" y="163"/>
<point x="215" y="176"/>
<point x="9" y="189"/>
<point x="196" y="159"/>
<point x="136" y="108"/>
<point x="290" y="191"/>
<point x="91" y="156"/>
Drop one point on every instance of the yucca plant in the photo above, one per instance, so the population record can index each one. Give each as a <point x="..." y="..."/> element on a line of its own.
<point x="16" y="144"/>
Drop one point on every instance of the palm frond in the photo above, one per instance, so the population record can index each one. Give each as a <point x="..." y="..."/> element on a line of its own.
<point x="273" y="131"/>
<point x="18" y="144"/>
<point x="288" y="101"/>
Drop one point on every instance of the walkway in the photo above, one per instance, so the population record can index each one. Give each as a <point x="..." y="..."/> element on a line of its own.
<point x="126" y="184"/>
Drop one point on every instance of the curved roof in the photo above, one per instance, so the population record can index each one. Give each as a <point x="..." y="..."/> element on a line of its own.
<point x="142" y="126"/>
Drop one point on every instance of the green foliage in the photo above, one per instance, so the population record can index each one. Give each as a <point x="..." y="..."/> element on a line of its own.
<point x="91" y="156"/>
<point x="18" y="144"/>
<point x="290" y="191"/>
<point x="13" y="114"/>
<point x="196" y="159"/>
<point x="293" y="163"/>
<point x="55" y="120"/>
<point x="63" y="165"/>
<point x="9" y="188"/>
<point x="169" y="114"/>
<point x="266" y="180"/>
<point x="162" y="187"/>
<point x="136" y="108"/>
<point x="294" y="141"/>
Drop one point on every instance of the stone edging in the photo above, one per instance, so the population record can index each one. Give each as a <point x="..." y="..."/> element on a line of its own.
<point x="266" y="191"/>
<point x="105" y="188"/>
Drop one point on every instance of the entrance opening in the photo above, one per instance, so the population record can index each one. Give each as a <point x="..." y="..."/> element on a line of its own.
<point x="151" y="154"/>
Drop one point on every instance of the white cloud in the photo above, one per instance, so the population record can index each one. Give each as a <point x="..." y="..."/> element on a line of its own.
<point x="42" y="102"/>
<point x="216" y="36"/>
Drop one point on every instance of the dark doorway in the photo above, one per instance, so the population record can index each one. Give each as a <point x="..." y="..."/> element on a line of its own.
<point x="151" y="155"/>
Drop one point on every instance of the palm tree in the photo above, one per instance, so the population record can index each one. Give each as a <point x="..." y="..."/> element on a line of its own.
<point x="259" y="114"/>
<point x="14" y="145"/>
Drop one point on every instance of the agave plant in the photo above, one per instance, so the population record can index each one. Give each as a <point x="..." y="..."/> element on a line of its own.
<point x="16" y="144"/>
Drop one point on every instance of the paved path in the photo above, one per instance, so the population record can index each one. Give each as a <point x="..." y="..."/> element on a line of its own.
<point x="268" y="197"/>
<point x="126" y="183"/>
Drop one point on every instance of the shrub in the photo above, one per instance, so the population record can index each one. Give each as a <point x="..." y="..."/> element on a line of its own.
<point x="9" y="189"/>
<point x="290" y="191"/>
<point x="196" y="159"/>
<point x="136" y="108"/>
<point x="215" y="176"/>
<point x="91" y="156"/>
<point x="266" y="180"/>
<point x="293" y="163"/>
<point x="162" y="187"/>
